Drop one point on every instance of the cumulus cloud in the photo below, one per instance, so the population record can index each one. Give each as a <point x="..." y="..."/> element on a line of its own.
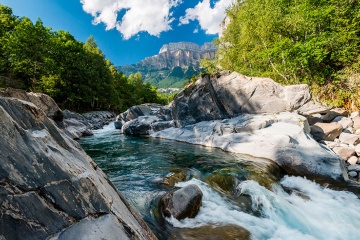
<point x="152" y="16"/>
<point x="209" y="18"/>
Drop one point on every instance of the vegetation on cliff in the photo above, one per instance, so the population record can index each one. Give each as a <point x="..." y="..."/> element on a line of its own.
<point x="77" y="75"/>
<point x="313" y="42"/>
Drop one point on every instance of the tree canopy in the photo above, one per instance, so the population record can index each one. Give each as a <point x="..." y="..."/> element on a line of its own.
<point x="76" y="74"/>
<point x="295" y="41"/>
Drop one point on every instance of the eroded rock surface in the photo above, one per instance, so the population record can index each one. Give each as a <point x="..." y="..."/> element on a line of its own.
<point x="49" y="187"/>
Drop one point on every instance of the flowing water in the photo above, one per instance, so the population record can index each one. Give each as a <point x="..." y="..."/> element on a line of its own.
<point x="243" y="197"/>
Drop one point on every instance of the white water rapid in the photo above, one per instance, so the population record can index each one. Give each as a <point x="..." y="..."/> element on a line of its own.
<point x="308" y="212"/>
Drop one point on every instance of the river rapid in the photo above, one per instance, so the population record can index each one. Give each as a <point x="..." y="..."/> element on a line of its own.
<point x="243" y="197"/>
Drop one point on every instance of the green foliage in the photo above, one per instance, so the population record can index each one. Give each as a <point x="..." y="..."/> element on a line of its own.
<point x="291" y="41"/>
<point x="75" y="74"/>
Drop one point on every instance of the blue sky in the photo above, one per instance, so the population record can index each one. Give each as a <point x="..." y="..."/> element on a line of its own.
<point x="127" y="31"/>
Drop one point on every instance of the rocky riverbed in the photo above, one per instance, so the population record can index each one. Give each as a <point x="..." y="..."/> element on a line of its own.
<point x="258" y="117"/>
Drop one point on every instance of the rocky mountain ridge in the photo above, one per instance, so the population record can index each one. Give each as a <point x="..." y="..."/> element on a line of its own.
<point x="174" y="65"/>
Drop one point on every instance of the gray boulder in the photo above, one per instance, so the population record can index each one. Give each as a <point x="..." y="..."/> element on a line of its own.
<point x="228" y="95"/>
<point x="283" y="138"/>
<point x="183" y="203"/>
<point x="49" y="187"/>
<point x="41" y="100"/>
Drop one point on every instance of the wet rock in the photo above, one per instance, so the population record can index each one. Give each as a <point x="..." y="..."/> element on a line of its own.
<point x="333" y="113"/>
<point x="344" y="152"/>
<point x="183" y="203"/>
<point x="212" y="233"/>
<point x="352" y="160"/>
<point x="349" y="138"/>
<point x="326" y="131"/>
<point x="222" y="180"/>
<point x="174" y="178"/>
<point x="48" y="184"/>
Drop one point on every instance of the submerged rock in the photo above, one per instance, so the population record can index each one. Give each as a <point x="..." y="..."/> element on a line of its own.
<point x="212" y="233"/>
<point x="174" y="178"/>
<point x="49" y="187"/>
<point x="183" y="203"/>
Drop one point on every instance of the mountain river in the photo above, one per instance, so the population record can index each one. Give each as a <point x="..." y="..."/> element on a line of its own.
<point x="243" y="197"/>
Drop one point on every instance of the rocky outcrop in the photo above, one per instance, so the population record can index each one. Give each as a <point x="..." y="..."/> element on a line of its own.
<point x="43" y="101"/>
<point x="228" y="95"/>
<point x="49" y="187"/>
<point x="183" y="203"/>
<point x="254" y="116"/>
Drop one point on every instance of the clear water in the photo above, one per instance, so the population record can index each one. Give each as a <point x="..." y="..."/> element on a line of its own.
<point x="292" y="208"/>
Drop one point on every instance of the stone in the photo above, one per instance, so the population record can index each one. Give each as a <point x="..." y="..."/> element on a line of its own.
<point x="139" y="126"/>
<point x="356" y="121"/>
<point x="313" y="119"/>
<point x="213" y="98"/>
<point x="211" y="233"/>
<point x="344" y="121"/>
<point x="352" y="160"/>
<point x="326" y="131"/>
<point x="183" y="203"/>
<point x="357" y="132"/>
<point x="357" y="150"/>
<point x="222" y="182"/>
<point x="349" y="130"/>
<point x="333" y="113"/>
<point x="344" y="152"/>
<point x="353" y="174"/>
<point x="312" y="108"/>
<point x="330" y="144"/>
<point x="49" y="185"/>
<point x="283" y="138"/>
<point x="348" y="138"/>
<point x="355" y="168"/>
<point x="174" y="178"/>
<point x="355" y="114"/>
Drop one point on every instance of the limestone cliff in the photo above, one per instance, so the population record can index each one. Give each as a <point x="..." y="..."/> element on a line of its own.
<point x="162" y="70"/>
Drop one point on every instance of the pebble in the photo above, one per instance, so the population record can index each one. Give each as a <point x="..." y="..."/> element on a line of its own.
<point x="353" y="174"/>
<point x="352" y="160"/>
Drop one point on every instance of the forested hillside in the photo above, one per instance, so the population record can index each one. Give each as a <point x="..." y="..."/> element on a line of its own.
<point x="76" y="74"/>
<point x="313" y="42"/>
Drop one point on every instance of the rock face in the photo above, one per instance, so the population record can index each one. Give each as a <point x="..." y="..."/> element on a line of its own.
<point x="182" y="203"/>
<point x="176" y="62"/>
<point x="49" y="187"/>
<point x="43" y="101"/>
<point x="229" y="95"/>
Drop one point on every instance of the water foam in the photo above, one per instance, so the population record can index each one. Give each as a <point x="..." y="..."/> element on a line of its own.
<point x="308" y="212"/>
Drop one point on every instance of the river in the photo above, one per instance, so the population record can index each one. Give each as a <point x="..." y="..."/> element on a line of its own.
<point x="243" y="197"/>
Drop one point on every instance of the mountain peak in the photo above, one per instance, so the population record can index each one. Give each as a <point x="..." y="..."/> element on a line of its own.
<point x="187" y="46"/>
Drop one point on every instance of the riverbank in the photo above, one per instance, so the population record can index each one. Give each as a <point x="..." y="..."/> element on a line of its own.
<point x="255" y="116"/>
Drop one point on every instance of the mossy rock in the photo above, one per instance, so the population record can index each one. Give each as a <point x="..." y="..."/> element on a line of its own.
<point x="174" y="178"/>
<point x="212" y="233"/>
<point x="223" y="179"/>
<point x="265" y="173"/>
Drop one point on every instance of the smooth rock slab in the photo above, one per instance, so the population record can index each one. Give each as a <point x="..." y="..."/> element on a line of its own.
<point x="282" y="138"/>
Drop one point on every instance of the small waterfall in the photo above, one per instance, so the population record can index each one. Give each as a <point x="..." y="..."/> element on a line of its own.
<point x="304" y="211"/>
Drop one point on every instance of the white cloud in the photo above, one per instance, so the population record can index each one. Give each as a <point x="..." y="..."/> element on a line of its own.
<point x="209" y="18"/>
<point x="152" y="16"/>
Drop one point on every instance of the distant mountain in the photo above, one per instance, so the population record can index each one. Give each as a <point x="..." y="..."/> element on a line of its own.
<point x="175" y="64"/>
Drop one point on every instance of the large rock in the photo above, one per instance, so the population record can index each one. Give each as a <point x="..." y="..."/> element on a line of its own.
<point x="183" y="203"/>
<point x="283" y="138"/>
<point x="147" y="109"/>
<point x="333" y="113"/>
<point x="326" y="131"/>
<point x="49" y="187"/>
<point x="228" y="95"/>
<point x="43" y="101"/>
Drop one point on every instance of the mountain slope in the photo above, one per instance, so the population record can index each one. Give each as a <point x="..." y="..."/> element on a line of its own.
<point x="175" y="64"/>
